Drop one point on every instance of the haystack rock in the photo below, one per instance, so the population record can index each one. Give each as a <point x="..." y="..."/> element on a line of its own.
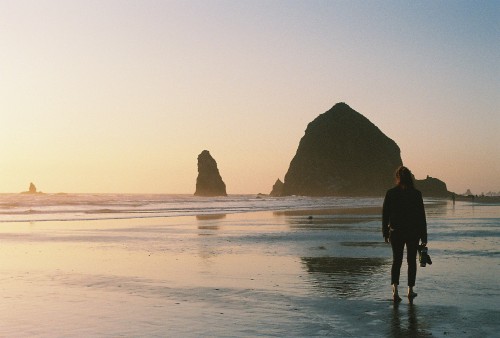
<point x="209" y="181"/>
<point x="277" y="189"/>
<point x="342" y="153"/>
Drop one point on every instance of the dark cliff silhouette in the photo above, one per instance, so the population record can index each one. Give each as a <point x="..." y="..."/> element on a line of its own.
<point x="432" y="187"/>
<point x="342" y="154"/>
<point x="209" y="181"/>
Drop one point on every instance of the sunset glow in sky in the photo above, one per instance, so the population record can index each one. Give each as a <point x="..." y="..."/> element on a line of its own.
<point x="122" y="96"/>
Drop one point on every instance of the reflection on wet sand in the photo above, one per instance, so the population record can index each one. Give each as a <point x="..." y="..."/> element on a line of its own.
<point x="365" y="244"/>
<point x="328" y="219"/>
<point x="330" y="212"/>
<point x="210" y="217"/>
<point x="406" y="324"/>
<point x="436" y="208"/>
<point x="208" y="227"/>
<point x="209" y="222"/>
<point x="330" y="223"/>
<point x="348" y="276"/>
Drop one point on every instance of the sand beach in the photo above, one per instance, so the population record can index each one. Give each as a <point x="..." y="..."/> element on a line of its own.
<point x="296" y="273"/>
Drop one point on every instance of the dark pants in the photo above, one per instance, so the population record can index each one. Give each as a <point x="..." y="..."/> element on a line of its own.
<point x="398" y="243"/>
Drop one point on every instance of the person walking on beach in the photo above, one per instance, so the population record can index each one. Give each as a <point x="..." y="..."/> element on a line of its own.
<point x="404" y="223"/>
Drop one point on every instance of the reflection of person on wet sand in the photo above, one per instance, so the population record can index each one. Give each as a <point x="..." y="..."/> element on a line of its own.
<point x="409" y="328"/>
<point x="404" y="223"/>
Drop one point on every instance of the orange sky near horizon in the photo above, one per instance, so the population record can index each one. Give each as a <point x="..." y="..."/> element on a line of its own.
<point x="121" y="97"/>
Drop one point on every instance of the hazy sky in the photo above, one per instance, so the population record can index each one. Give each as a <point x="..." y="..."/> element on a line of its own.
<point x="122" y="96"/>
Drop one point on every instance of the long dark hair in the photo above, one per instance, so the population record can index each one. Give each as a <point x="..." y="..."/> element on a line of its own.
<point x="404" y="178"/>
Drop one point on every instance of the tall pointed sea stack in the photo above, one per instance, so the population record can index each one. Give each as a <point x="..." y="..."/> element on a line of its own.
<point x="209" y="181"/>
<point x="342" y="154"/>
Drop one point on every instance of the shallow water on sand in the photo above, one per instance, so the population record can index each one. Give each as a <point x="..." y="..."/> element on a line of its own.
<point x="252" y="274"/>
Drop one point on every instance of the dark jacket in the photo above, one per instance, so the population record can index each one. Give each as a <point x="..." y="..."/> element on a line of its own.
<point x="404" y="213"/>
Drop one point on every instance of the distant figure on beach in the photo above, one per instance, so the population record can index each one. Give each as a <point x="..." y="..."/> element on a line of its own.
<point x="404" y="223"/>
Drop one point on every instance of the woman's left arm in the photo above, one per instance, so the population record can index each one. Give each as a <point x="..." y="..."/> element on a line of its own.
<point x="423" y="221"/>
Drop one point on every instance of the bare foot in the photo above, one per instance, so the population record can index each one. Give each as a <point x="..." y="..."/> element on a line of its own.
<point x="411" y="296"/>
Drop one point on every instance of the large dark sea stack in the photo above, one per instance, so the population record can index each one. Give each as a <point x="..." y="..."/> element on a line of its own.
<point x="342" y="154"/>
<point x="209" y="181"/>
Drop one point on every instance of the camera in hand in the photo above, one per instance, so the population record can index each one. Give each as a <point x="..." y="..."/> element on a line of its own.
<point x="423" y="256"/>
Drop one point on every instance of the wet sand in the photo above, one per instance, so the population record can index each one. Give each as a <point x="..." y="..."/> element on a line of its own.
<point x="254" y="274"/>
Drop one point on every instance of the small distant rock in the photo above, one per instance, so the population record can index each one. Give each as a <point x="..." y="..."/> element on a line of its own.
<point x="209" y="181"/>
<point x="32" y="189"/>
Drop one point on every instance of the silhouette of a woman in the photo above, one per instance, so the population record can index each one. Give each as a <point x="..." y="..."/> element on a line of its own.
<point x="404" y="223"/>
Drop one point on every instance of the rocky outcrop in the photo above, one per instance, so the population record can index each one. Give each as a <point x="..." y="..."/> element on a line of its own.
<point x="209" y="181"/>
<point x="32" y="190"/>
<point x="432" y="187"/>
<point x="342" y="154"/>
<point x="277" y="190"/>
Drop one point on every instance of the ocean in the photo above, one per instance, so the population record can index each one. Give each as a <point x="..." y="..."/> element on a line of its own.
<point x="109" y="265"/>
<point x="71" y="207"/>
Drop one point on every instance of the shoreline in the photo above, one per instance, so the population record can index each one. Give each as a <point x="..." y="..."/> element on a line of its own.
<point x="86" y="207"/>
<point x="479" y="199"/>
